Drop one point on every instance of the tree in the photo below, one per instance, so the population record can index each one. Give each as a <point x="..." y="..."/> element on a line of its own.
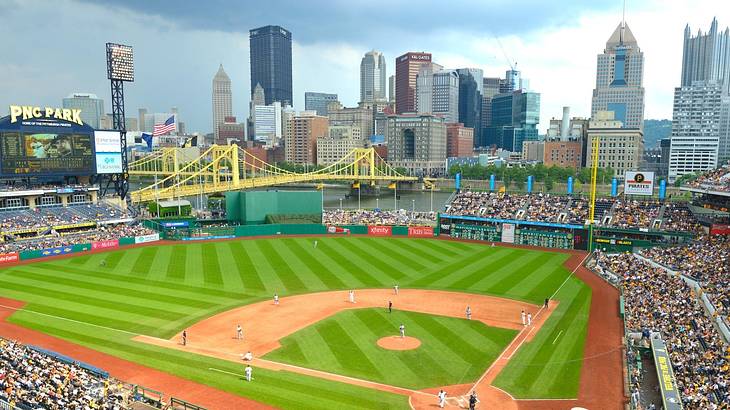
<point x="549" y="184"/>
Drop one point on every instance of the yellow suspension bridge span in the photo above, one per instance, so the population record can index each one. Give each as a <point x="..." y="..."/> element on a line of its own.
<point x="222" y="168"/>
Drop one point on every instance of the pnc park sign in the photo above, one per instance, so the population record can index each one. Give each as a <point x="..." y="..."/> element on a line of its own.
<point x="29" y="112"/>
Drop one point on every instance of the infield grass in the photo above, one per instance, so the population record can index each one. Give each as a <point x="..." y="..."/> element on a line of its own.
<point x="159" y="290"/>
<point x="452" y="350"/>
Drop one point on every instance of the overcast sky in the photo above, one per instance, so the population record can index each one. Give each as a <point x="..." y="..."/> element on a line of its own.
<point x="51" y="49"/>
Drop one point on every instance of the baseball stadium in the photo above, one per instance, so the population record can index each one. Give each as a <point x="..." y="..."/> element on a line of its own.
<point x="221" y="281"/>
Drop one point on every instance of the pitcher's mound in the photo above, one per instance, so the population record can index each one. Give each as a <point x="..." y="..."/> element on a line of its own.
<point x="399" y="343"/>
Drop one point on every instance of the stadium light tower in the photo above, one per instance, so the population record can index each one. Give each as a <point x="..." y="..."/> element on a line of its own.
<point x="120" y="69"/>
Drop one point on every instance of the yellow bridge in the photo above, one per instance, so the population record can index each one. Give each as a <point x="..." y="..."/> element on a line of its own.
<point x="223" y="168"/>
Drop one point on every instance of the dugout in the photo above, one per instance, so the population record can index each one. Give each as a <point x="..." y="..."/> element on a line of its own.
<point x="273" y="207"/>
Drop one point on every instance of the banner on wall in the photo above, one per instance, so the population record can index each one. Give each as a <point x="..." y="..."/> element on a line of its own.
<point x="420" y="231"/>
<point x="177" y="224"/>
<point x="62" y="250"/>
<point x="720" y="229"/>
<point x="380" y="230"/>
<point x="147" y="238"/>
<point x="508" y="233"/>
<point x="337" y="229"/>
<point x="105" y="244"/>
<point x="9" y="257"/>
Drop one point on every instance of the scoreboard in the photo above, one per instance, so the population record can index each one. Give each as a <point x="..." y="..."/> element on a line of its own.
<point x="46" y="153"/>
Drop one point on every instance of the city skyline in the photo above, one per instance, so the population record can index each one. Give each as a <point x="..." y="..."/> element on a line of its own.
<point x="331" y="63"/>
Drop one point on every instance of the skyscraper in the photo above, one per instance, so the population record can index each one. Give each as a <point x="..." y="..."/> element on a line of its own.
<point x="515" y="117"/>
<point x="270" y="57"/>
<point x="391" y="89"/>
<point x="407" y="67"/>
<point x="619" y="79"/>
<point x="471" y="86"/>
<point x="91" y="106"/>
<point x="318" y="102"/>
<point x="437" y="92"/>
<point x="701" y="115"/>
<point x="222" y="99"/>
<point x="490" y="89"/>
<point x="372" y="77"/>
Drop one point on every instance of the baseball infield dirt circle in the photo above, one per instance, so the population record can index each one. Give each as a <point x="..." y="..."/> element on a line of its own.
<point x="399" y="343"/>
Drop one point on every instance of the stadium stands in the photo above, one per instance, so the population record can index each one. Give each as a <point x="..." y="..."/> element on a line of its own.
<point x="99" y="233"/>
<point x="657" y="302"/>
<point x="715" y="180"/>
<point x="32" y="379"/>
<point x="367" y="217"/>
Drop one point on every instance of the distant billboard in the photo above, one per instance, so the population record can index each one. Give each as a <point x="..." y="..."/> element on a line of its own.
<point x="639" y="183"/>
<point x="108" y="152"/>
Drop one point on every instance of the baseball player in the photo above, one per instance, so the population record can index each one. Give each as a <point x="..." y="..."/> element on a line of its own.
<point x="524" y="318"/>
<point x="185" y="337"/>
<point x="529" y="319"/>
<point x="248" y="356"/>
<point x="468" y="312"/>
<point x="402" y="331"/>
<point x="390" y="306"/>
<point x="473" y="400"/>
<point x="395" y="289"/>
<point x="276" y="298"/>
<point x="248" y="372"/>
<point x="239" y="332"/>
<point x="546" y="303"/>
<point x="315" y="244"/>
<point x="442" y="398"/>
<point x="352" y="296"/>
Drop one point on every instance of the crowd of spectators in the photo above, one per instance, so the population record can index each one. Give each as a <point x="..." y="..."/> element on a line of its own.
<point x="99" y="233"/>
<point x="30" y="379"/>
<point x="707" y="260"/>
<point x="658" y="302"/>
<point x="634" y="214"/>
<point x="381" y="217"/>
<point x="546" y="207"/>
<point x="716" y="180"/>
<point x="678" y="217"/>
<point x="13" y="220"/>
<point x="486" y="204"/>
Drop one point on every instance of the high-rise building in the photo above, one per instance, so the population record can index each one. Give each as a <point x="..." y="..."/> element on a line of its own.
<point x="361" y="117"/>
<point x="459" y="140"/>
<point x="407" y="67"/>
<point x="372" y="77"/>
<point x="620" y="148"/>
<point x="514" y="120"/>
<point x="417" y="142"/>
<point x="318" y="102"/>
<point x="471" y="95"/>
<point x="619" y="79"/>
<point x="222" y="99"/>
<point x="701" y="117"/>
<point x="91" y="106"/>
<point x="391" y="89"/>
<point x="489" y="90"/>
<point x="301" y="144"/>
<point x="342" y="139"/>
<point x="141" y="119"/>
<point x="437" y="92"/>
<point x="267" y="124"/>
<point x="271" y="63"/>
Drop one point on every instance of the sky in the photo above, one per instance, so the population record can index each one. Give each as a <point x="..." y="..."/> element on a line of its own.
<point x="56" y="48"/>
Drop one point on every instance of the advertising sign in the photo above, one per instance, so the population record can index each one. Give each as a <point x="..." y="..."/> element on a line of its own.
<point x="9" y="257"/>
<point x="720" y="229"/>
<point x="147" y="238"/>
<point x="639" y="183"/>
<point x="420" y="231"/>
<point x="337" y="229"/>
<point x="508" y="233"/>
<point x="105" y="244"/>
<point x="667" y="383"/>
<point x="380" y="230"/>
<point x="62" y="250"/>
<point x="178" y="224"/>
<point x="108" y="152"/>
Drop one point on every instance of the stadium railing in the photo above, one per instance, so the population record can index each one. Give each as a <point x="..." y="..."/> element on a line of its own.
<point x="180" y="404"/>
<point x="6" y="406"/>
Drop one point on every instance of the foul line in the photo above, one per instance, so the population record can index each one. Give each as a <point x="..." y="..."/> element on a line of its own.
<point x="67" y="319"/>
<point x="556" y="337"/>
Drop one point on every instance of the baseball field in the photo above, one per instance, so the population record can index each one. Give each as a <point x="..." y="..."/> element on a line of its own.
<point x="112" y="301"/>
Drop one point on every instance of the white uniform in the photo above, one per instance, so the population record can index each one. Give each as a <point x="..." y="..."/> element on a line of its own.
<point x="402" y="331"/>
<point x="529" y="319"/>
<point x="239" y="332"/>
<point x="352" y="296"/>
<point x="442" y="398"/>
<point x="248" y="356"/>
<point x="468" y="312"/>
<point x="276" y="299"/>
<point x="248" y="372"/>
<point x="524" y="321"/>
<point x="315" y="244"/>
<point x="395" y="288"/>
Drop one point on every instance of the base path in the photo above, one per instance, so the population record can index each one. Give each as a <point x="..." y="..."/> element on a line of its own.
<point x="129" y="372"/>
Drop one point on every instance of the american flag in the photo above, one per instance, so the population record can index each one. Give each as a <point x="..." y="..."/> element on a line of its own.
<point x="162" y="129"/>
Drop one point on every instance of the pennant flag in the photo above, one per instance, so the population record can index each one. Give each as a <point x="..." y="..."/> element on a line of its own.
<point x="356" y="185"/>
<point x="391" y="185"/>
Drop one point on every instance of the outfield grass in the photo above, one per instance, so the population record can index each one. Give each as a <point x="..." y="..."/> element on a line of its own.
<point x="452" y="351"/>
<point x="158" y="290"/>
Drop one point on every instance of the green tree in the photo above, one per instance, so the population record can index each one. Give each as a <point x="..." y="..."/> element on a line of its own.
<point x="549" y="184"/>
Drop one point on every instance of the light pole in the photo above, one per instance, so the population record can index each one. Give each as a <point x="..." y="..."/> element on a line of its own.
<point x="395" y="197"/>
<point x="413" y="207"/>
<point x="340" y="204"/>
<point x="358" y="198"/>
<point x="377" y="203"/>
<point x="431" y="198"/>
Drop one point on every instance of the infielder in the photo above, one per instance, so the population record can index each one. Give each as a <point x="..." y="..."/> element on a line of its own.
<point x="239" y="332"/>
<point x="390" y="306"/>
<point x="524" y="318"/>
<point x="352" y="296"/>
<point x="248" y="356"/>
<point x="185" y="337"/>
<point x="402" y="331"/>
<point x="442" y="398"/>
<point x="529" y="319"/>
<point x="248" y="372"/>
<point x="468" y="312"/>
<point x="315" y="244"/>
<point x="395" y="289"/>
<point x="276" y="298"/>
